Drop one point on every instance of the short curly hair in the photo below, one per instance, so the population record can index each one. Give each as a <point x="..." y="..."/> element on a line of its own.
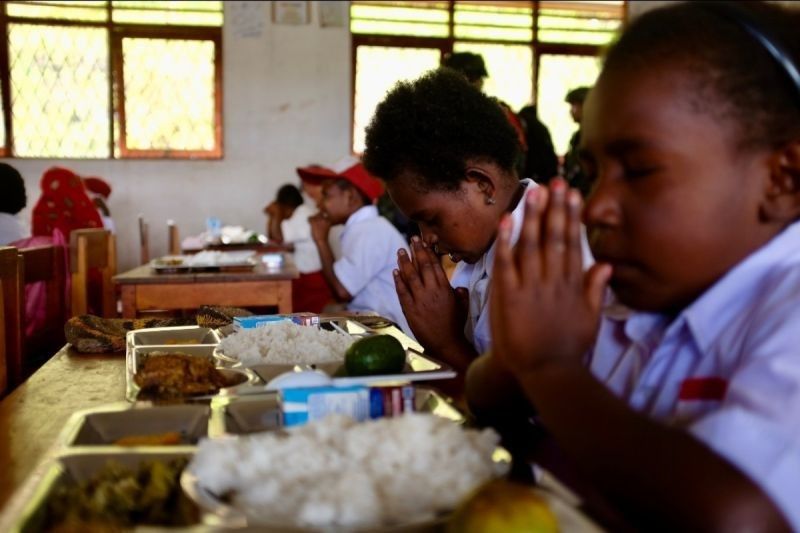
<point x="13" y="199"/>
<point x="432" y="127"/>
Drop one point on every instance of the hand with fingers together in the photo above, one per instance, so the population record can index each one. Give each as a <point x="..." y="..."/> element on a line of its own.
<point x="435" y="311"/>
<point x="544" y="309"/>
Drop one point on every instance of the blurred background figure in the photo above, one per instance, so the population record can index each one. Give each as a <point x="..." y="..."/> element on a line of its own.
<point x="63" y="204"/>
<point x="312" y="192"/>
<point x="288" y="226"/>
<point x="12" y="200"/>
<point x="572" y="168"/>
<point x="472" y="67"/>
<point x="99" y="192"/>
<point x="541" y="161"/>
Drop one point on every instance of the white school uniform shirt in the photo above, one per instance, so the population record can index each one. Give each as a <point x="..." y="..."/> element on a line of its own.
<point x="727" y="369"/>
<point x="475" y="277"/>
<point x="296" y="230"/>
<point x="369" y="255"/>
<point x="11" y="229"/>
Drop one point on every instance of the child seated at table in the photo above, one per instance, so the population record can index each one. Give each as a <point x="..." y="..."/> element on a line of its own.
<point x="362" y="277"/>
<point x="455" y="180"/>
<point x="288" y="225"/>
<point x="677" y="393"/>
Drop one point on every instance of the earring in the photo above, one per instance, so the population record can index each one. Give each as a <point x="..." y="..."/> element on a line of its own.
<point x="490" y="200"/>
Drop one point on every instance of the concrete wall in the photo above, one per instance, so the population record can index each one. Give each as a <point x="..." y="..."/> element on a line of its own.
<point x="286" y="103"/>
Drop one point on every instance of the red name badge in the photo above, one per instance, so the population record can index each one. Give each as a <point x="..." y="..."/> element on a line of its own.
<point x="710" y="388"/>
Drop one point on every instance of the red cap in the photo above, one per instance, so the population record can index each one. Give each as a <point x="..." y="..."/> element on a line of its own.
<point x="349" y="169"/>
<point x="97" y="186"/>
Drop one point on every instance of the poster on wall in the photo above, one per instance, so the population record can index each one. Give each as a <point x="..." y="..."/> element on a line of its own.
<point x="246" y="18"/>
<point x="294" y="13"/>
<point x="333" y="14"/>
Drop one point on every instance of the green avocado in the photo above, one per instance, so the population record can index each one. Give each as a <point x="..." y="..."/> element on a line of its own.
<point x="375" y="355"/>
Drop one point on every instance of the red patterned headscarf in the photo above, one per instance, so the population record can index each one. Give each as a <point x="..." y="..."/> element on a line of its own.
<point x="63" y="205"/>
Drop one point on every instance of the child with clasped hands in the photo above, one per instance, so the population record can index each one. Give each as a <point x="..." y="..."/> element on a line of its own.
<point x="669" y="372"/>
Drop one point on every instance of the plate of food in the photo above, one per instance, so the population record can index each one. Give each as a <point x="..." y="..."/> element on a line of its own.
<point x="336" y="474"/>
<point x="350" y="359"/>
<point x="156" y="374"/>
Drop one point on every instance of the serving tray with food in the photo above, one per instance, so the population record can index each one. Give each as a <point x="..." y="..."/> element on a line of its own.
<point x="346" y="350"/>
<point x="182" y="372"/>
<point x="207" y="261"/>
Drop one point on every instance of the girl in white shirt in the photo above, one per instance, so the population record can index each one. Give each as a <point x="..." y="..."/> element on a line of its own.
<point x="447" y="154"/>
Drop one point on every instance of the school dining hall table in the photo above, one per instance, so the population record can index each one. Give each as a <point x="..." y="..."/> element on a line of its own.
<point x="143" y="289"/>
<point x="33" y="415"/>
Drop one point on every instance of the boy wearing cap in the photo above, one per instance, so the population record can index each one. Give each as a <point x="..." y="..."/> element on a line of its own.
<point x="363" y="275"/>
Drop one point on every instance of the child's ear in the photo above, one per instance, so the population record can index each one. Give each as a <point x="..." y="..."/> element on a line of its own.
<point x="782" y="199"/>
<point x="483" y="178"/>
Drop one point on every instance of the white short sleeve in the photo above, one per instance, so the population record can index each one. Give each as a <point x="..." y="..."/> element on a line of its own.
<point x="297" y="227"/>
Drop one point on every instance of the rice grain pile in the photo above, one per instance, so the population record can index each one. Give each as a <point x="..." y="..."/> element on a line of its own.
<point x="339" y="473"/>
<point x="286" y="343"/>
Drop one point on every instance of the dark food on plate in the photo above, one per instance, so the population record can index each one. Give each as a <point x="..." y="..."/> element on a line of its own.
<point x="92" y="334"/>
<point x="217" y="317"/>
<point x="176" y="374"/>
<point x="118" y="497"/>
<point x="169" y="261"/>
<point x="156" y="439"/>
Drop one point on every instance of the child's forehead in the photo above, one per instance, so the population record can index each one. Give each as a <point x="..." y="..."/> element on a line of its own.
<point x="657" y="103"/>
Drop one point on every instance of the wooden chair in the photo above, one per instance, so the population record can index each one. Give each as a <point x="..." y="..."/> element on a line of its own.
<point x="93" y="250"/>
<point x="174" y="240"/>
<point x="10" y="319"/>
<point x="144" y="242"/>
<point x="44" y="264"/>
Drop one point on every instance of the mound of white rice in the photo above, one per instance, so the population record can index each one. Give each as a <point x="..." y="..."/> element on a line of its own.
<point x="337" y="472"/>
<point x="286" y="343"/>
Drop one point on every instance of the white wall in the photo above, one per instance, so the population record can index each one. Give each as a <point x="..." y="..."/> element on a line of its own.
<point x="286" y="104"/>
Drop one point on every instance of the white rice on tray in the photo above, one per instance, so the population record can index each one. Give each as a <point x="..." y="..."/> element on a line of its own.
<point x="286" y="343"/>
<point x="339" y="473"/>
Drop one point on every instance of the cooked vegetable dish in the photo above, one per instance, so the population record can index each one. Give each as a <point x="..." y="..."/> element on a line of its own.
<point x="118" y="497"/>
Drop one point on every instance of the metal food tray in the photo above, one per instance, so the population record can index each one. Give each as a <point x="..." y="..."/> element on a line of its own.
<point x="178" y="264"/>
<point x="85" y="445"/>
<point x="419" y="367"/>
<point x="172" y="336"/>
<point x="135" y="355"/>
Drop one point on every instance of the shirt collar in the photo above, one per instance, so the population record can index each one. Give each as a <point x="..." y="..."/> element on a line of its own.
<point x="713" y="312"/>
<point x="363" y="213"/>
<point x="715" y="309"/>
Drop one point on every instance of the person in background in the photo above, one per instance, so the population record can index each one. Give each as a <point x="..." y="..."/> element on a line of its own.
<point x="677" y="393"/>
<point x="63" y="204"/>
<point x="99" y="191"/>
<point x="456" y="181"/>
<point x="12" y="200"/>
<point x="287" y="225"/>
<point x="472" y="67"/>
<point x="572" y="168"/>
<point x="541" y="161"/>
<point x="312" y="192"/>
<point x="362" y="277"/>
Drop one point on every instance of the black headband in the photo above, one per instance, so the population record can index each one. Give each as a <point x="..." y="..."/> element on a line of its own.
<point x="768" y="42"/>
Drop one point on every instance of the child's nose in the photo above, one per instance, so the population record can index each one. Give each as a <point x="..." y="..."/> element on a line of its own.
<point x="601" y="206"/>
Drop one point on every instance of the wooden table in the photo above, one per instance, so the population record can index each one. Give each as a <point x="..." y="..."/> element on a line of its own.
<point x="143" y="289"/>
<point x="32" y="416"/>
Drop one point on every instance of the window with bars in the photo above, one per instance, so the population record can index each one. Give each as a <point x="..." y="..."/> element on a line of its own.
<point x="534" y="51"/>
<point x="111" y="79"/>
